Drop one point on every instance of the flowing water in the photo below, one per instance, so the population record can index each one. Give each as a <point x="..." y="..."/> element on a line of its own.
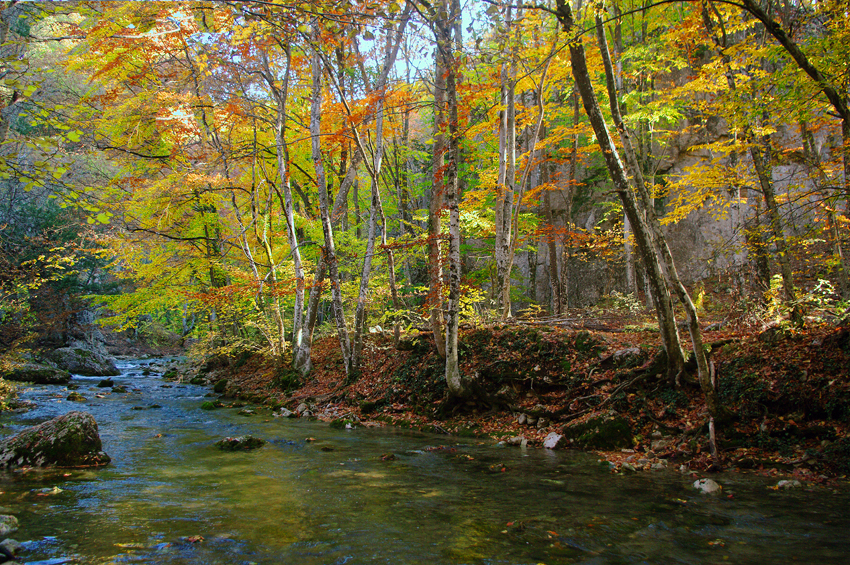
<point x="315" y="495"/>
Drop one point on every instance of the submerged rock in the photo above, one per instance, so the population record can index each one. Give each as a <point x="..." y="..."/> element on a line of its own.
<point x="9" y="548"/>
<point x="71" y="440"/>
<point x="707" y="486"/>
<point x="239" y="443"/>
<point x="38" y="374"/>
<point x="8" y="524"/>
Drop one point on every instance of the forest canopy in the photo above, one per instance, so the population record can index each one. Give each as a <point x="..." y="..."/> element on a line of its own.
<point x="246" y="174"/>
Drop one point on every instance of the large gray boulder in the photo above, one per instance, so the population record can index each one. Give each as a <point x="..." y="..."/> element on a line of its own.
<point x="71" y="440"/>
<point x="37" y="373"/>
<point x="83" y="361"/>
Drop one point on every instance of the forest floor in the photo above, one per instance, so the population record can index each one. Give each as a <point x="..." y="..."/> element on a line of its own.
<point x="789" y="390"/>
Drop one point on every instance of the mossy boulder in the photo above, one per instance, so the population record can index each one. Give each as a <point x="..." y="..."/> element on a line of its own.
<point x="8" y="525"/>
<point x="71" y="440"/>
<point x="38" y="374"/>
<point x="602" y="430"/>
<point x="241" y="443"/>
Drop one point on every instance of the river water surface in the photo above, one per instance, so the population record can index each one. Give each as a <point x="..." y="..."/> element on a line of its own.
<point x="315" y="495"/>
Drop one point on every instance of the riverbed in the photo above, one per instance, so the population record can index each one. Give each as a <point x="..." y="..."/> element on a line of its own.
<point x="317" y="495"/>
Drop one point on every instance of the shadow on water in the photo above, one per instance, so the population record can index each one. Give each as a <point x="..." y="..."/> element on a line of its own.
<point x="171" y="497"/>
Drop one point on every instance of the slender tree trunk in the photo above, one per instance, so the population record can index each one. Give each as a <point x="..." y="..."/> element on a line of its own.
<point x="764" y="174"/>
<point x="643" y="235"/>
<point x="392" y="45"/>
<point x="300" y="346"/>
<point x="814" y="161"/>
<point x="507" y="175"/>
<point x="705" y="380"/>
<point x="435" y="267"/>
<point x="329" y="250"/>
<point x="457" y="384"/>
<point x="444" y="17"/>
<point x="555" y="300"/>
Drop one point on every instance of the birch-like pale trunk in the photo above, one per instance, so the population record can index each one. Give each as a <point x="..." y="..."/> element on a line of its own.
<point x="458" y="386"/>
<point x="375" y="210"/>
<point x="506" y="175"/>
<point x="329" y="250"/>
<point x="435" y="266"/>
<point x="301" y="347"/>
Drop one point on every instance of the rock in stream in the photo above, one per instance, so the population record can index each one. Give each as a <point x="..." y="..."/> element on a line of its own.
<point x="71" y="440"/>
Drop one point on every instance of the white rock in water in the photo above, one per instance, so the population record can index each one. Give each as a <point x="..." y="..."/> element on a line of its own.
<point x="789" y="484"/>
<point x="707" y="486"/>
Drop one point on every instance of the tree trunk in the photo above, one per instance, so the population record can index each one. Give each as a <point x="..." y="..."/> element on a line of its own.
<point x="507" y="176"/>
<point x="329" y="250"/>
<point x="711" y="399"/>
<point x="643" y="236"/>
<point x="814" y="161"/>
<point x="435" y="267"/>
<point x="458" y="386"/>
<point x="375" y="209"/>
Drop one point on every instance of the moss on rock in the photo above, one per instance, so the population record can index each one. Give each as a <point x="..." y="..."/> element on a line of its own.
<point x="602" y="430"/>
<point x="71" y="440"/>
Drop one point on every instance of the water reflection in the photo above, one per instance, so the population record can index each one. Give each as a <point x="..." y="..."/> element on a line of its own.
<point x="170" y="497"/>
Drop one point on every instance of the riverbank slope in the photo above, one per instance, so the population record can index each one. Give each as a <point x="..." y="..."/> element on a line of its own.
<point x="789" y="390"/>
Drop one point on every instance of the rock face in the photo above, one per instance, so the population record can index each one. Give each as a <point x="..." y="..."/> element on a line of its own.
<point x="71" y="440"/>
<point x="38" y="374"/>
<point x="82" y="361"/>
<point x="602" y="430"/>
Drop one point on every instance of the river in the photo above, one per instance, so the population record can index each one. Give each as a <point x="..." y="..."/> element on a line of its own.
<point x="316" y="495"/>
